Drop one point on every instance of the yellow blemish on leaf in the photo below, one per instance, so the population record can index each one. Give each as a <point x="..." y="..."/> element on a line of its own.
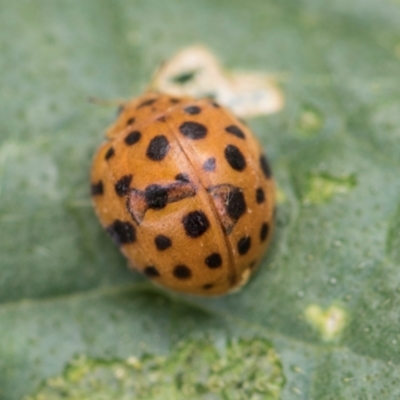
<point x="195" y="71"/>
<point x="329" y="323"/>
<point x="310" y="122"/>
<point x="322" y="187"/>
<point x="194" y="369"/>
<point x="280" y="195"/>
<point x="397" y="50"/>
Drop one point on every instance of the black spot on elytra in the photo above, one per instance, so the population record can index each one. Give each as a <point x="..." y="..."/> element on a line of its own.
<point x="266" y="169"/>
<point x="162" y="242"/>
<point x="195" y="223"/>
<point x="130" y="121"/>
<point x="214" y="260"/>
<point x="264" y="231"/>
<point x="156" y="196"/>
<point x="244" y="245"/>
<point x="122" y="232"/>
<point x="209" y="165"/>
<point x="236" y="131"/>
<point x="235" y="158"/>
<point x="182" y="177"/>
<point x="132" y="138"/>
<point x="193" y="130"/>
<point x="110" y="152"/>
<point x="192" y="110"/>
<point x="145" y="103"/>
<point x="151" y="271"/>
<point x="97" y="189"/>
<point x="260" y="195"/>
<point x="182" y="272"/>
<point x="208" y="286"/>
<point x="236" y="204"/>
<point x="122" y="186"/>
<point x="158" y="148"/>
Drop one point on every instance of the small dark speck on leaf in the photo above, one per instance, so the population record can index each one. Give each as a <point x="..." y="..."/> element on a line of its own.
<point x="184" y="77"/>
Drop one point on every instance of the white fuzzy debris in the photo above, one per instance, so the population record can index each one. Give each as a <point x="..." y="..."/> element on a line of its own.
<point x="195" y="71"/>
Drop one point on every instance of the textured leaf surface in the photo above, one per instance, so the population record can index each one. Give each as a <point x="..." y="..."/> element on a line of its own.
<point x="64" y="288"/>
<point x="195" y="369"/>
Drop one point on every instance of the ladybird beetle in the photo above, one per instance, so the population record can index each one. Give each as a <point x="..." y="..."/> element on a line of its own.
<point x="183" y="188"/>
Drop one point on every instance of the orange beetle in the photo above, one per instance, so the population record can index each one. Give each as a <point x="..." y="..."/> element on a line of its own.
<point x="183" y="187"/>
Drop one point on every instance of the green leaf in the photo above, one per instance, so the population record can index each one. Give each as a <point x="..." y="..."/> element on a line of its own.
<point x="326" y="299"/>
<point x="195" y="369"/>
